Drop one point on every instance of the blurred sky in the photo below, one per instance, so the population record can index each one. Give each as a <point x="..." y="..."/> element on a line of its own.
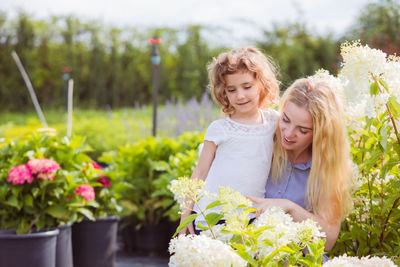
<point x="241" y="20"/>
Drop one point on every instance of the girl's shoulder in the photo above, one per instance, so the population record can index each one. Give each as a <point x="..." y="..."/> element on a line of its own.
<point x="217" y="123"/>
<point x="270" y="115"/>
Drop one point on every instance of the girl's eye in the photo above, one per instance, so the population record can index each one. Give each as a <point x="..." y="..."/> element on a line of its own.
<point x="247" y="87"/>
<point x="284" y="119"/>
<point x="231" y="90"/>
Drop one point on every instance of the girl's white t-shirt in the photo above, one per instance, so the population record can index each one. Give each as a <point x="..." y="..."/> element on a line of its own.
<point x="242" y="159"/>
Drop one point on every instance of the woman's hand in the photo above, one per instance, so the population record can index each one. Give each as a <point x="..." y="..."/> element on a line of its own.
<point x="266" y="203"/>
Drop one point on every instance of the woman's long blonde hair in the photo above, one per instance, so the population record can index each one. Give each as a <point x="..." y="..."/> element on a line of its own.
<point x="330" y="180"/>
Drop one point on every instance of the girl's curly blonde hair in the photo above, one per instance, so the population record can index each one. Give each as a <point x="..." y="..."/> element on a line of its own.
<point x="247" y="59"/>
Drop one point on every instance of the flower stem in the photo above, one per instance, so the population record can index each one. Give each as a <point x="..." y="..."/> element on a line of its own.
<point x="202" y="213"/>
<point x="388" y="109"/>
<point x="382" y="237"/>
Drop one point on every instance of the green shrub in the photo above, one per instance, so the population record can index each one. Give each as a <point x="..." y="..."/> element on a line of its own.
<point x="147" y="167"/>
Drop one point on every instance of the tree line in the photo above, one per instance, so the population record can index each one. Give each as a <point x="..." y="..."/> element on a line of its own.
<point x="111" y="66"/>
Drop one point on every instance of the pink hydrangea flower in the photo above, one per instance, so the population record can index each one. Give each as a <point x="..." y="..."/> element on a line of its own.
<point x="44" y="168"/>
<point x="19" y="174"/>
<point x="96" y="165"/>
<point x="86" y="191"/>
<point x="104" y="181"/>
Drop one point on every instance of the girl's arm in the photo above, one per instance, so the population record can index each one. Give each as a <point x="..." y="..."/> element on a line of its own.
<point x="330" y="227"/>
<point x="200" y="172"/>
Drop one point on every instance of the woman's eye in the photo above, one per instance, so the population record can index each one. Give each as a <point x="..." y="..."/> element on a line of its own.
<point x="247" y="87"/>
<point x="284" y="119"/>
<point x="231" y="90"/>
<point x="303" y="132"/>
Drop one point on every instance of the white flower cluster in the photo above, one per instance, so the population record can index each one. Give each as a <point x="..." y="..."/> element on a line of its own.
<point x="218" y="233"/>
<point x="335" y="83"/>
<point x="185" y="190"/>
<point x="202" y="251"/>
<point x="346" y="261"/>
<point x="282" y="230"/>
<point x="233" y="199"/>
<point x="359" y="64"/>
<point x="308" y="230"/>
<point x="234" y="209"/>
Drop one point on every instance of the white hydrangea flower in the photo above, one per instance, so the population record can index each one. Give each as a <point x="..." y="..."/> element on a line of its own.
<point x="202" y="251"/>
<point x="281" y="230"/>
<point x="370" y="111"/>
<point x="224" y="237"/>
<point x="380" y="101"/>
<point x="391" y="75"/>
<point x="346" y="261"/>
<point x="308" y="230"/>
<point x="332" y="81"/>
<point x="355" y="114"/>
<point x="185" y="190"/>
<point x="233" y="199"/>
<point x="359" y="62"/>
<point x="237" y="221"/>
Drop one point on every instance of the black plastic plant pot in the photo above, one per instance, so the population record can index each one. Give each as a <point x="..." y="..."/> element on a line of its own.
<point x="154" y="238"/>
<point x="33" y="250"/>
<point x="94" y="243"/>
<point x="64" y="246"/>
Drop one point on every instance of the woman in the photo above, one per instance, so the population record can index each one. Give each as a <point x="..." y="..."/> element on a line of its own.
<point x="311" y="169"/>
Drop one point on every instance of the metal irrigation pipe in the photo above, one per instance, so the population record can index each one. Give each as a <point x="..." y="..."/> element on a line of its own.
<point x="30" y="88"/>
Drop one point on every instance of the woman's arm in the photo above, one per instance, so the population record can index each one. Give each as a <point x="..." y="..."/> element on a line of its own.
<point x="331" y="228"/>
<point x="200" y="172"/>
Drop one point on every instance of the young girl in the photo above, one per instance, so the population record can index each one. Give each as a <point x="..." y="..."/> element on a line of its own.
<point x="237" y="150"/>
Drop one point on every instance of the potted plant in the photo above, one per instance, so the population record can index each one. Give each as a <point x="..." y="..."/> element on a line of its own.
<point x="95" y="239"/>
<point x="37" y="193"/>
<point x="148" y="206"/>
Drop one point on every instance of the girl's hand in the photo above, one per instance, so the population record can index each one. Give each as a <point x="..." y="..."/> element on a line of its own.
<point x="266" y="203"/>
<point x="189" y="228"/>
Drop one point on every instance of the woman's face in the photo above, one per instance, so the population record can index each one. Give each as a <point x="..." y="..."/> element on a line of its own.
<point x="296" y="127"/>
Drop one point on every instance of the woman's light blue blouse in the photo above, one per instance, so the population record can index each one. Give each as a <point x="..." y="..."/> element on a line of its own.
<point x="293" y="184"/>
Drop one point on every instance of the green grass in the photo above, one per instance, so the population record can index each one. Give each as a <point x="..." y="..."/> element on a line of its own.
<point x="105" y="130"/>
<point x="108" y="130"/>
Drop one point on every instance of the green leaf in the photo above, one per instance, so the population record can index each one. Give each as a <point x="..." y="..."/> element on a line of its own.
<point x="247" y="257"/>
<point x="87" y="213"/>
<point x="384" y="84"/>
<point x="214" y="204"/>
<point x="13" y="201"/>
<point x="213" y="218"/>
<point x="93" y="203"/>
<point x="58" y="192"/>
<point x="384" y="137"/>
<point x="35" y="192"/>
<point x="373" y="89"/>
<point x="185" y="223"/>
<point x="202" y="227"/>
<point x="28" y="200"/>
<point x="23" y="227"/>
<point x="58" y="211"/>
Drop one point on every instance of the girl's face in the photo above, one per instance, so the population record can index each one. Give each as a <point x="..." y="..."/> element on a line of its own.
<point x="243" y="92"/>
<point x="296" y="128"/>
